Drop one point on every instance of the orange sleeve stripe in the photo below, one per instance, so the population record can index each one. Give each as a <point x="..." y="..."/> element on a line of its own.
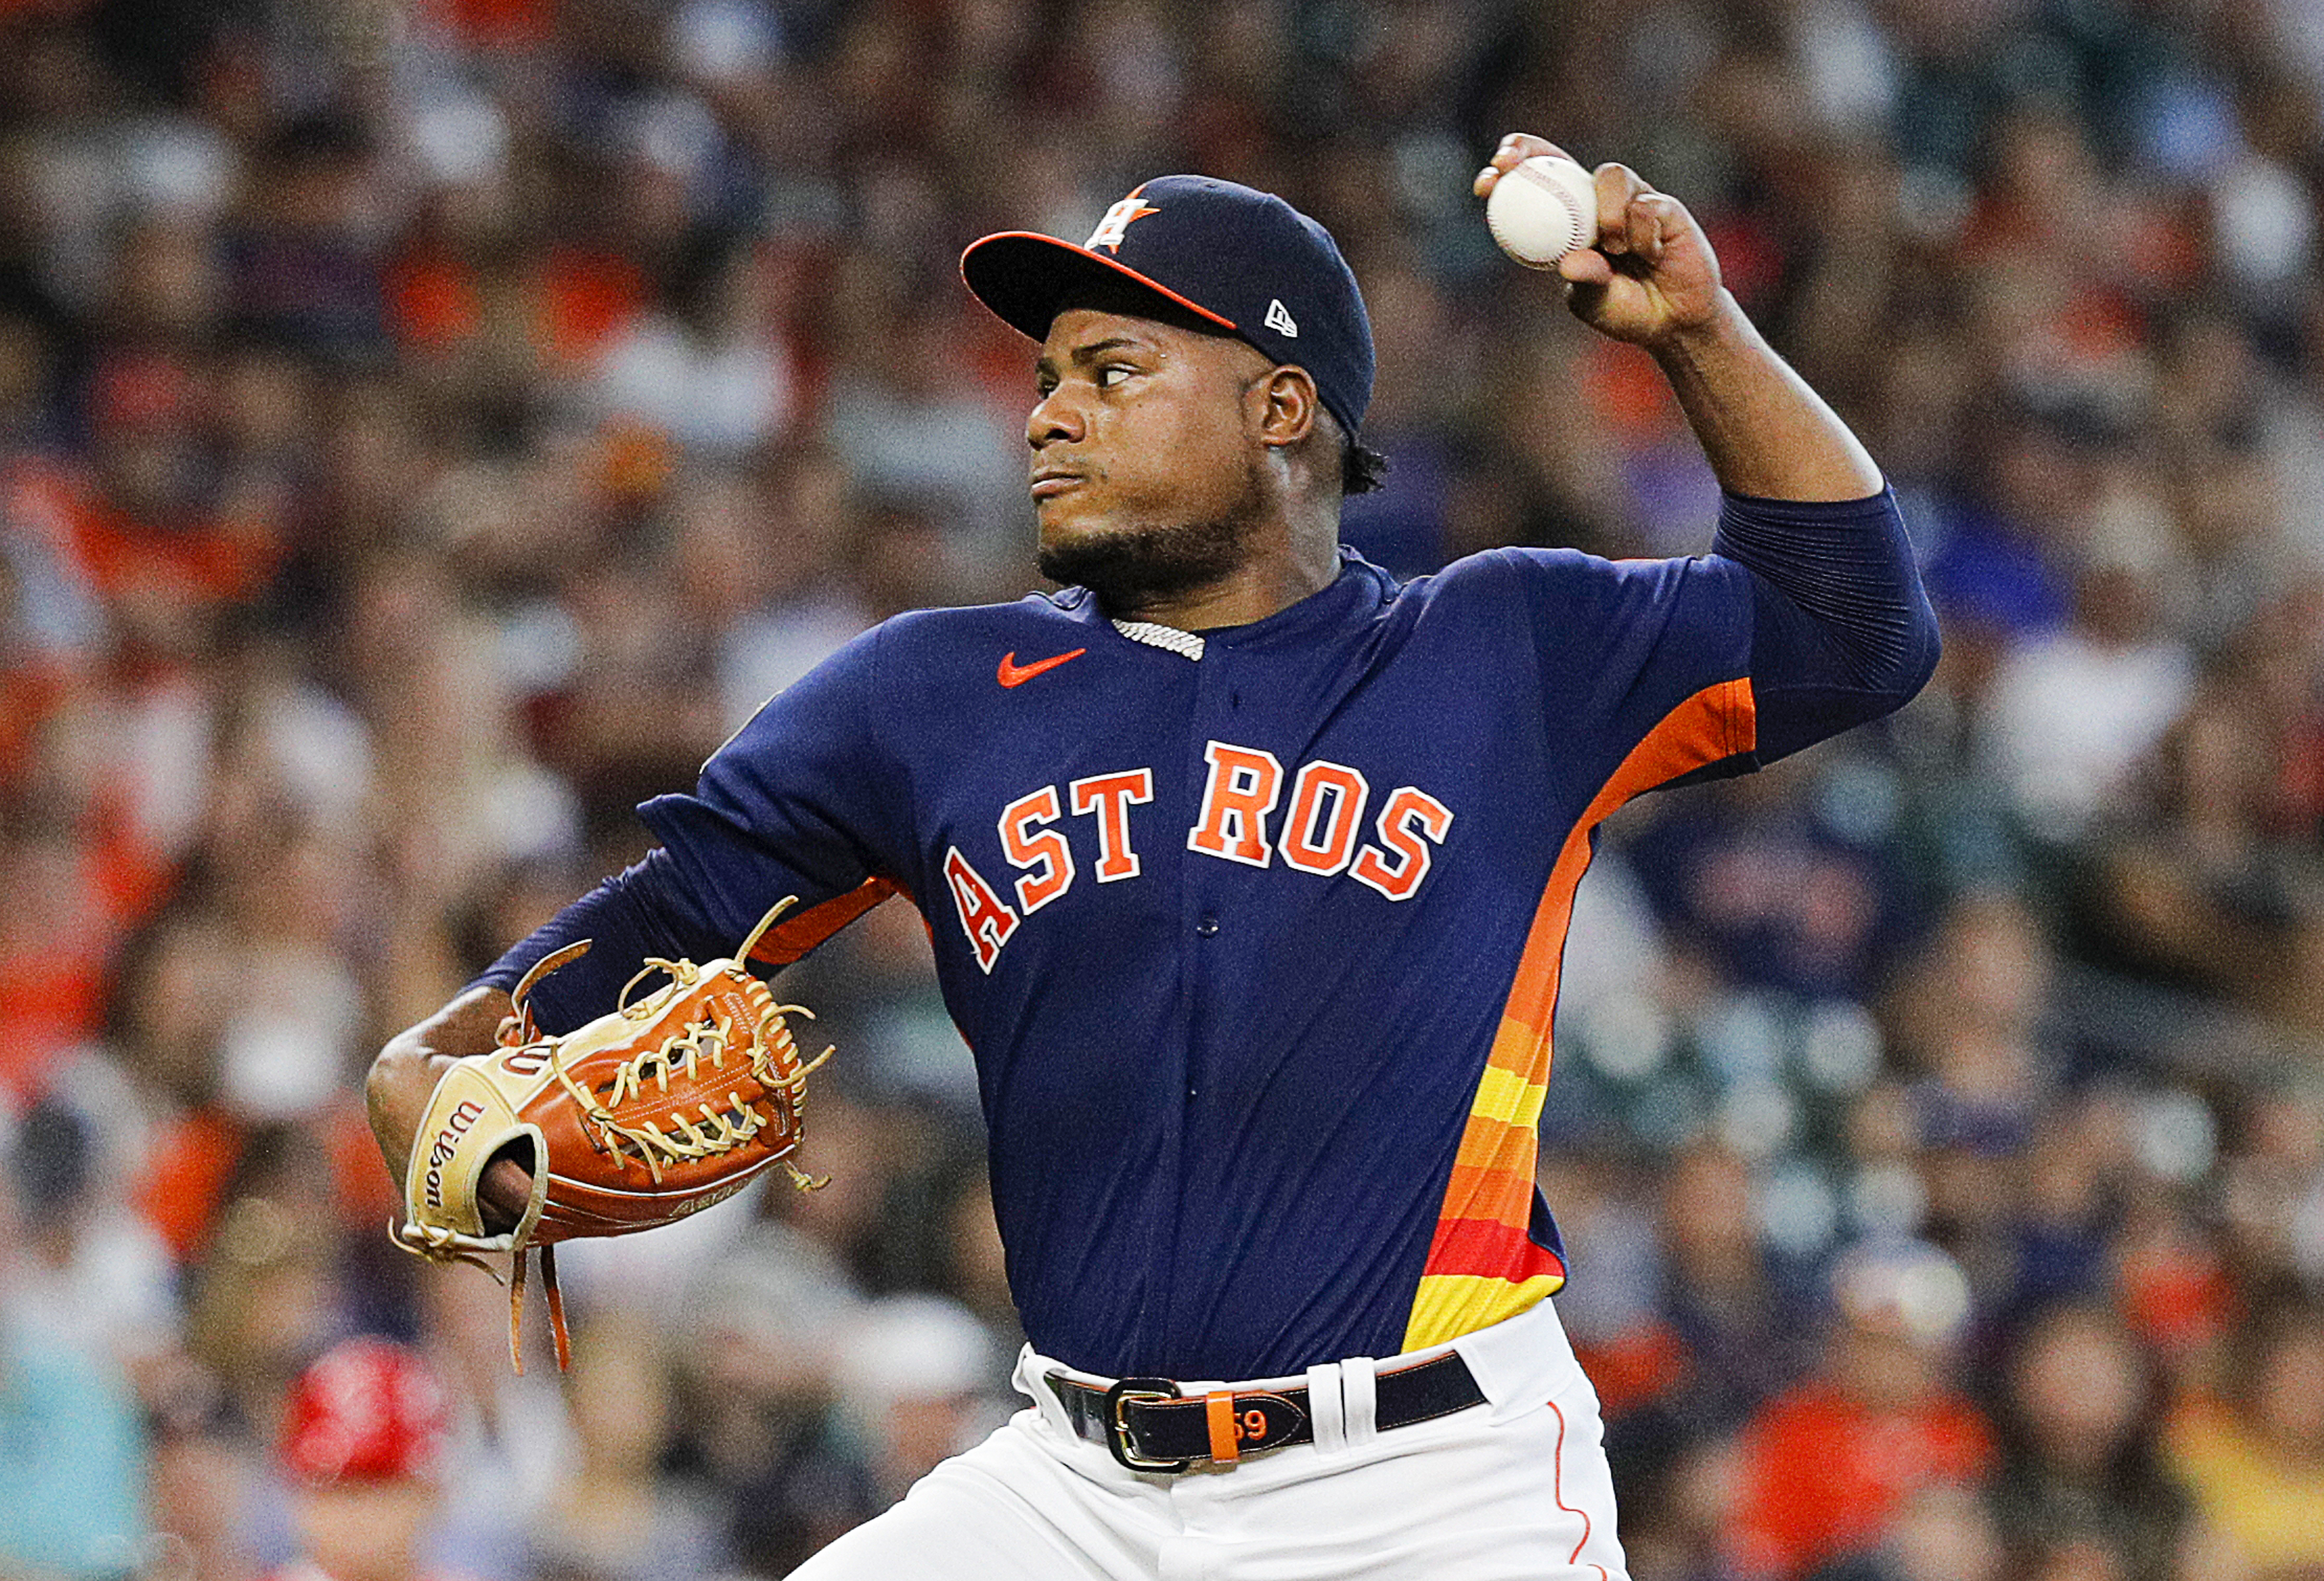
<point x="1483" y="1227"/>
<point x="1505" y="1196"/>
<point x="793" y="936"/>
<point x="1717" y="722"/>
<point x="1515" y="1050"/>
<point x="1533" y="992"/>
<point x="1496" y="1144"/>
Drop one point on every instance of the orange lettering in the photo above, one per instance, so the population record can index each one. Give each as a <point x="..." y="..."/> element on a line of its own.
<point x="1301" y="847"/>
<point x="1111" y="797"/>
<point x="1047" y="850"/>
<point x="1409" y="814"/>
<point x="1240" y="793"/>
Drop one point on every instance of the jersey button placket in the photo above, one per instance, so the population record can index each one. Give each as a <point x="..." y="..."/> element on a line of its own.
<point x="1207" y="881"/>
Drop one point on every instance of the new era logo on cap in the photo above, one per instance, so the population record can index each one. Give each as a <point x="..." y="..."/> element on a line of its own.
<point x="1226" y="253"/>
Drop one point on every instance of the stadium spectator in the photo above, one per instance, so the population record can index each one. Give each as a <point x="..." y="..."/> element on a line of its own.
<point x="1831" y="1467"/>
<point x="2254" y="1456"/>
<point x="2080" y="1467"/>
<point x="615" y="1514"/>
<point x="360" y="1445"/>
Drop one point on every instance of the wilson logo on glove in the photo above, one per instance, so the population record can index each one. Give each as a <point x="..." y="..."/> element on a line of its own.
<point x="446" y="1147"/>
<point x="652" y="1111"/>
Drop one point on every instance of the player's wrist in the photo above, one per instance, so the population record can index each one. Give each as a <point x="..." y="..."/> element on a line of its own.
<point x="1717" y="331"/>
<point x="405" y="1072"/>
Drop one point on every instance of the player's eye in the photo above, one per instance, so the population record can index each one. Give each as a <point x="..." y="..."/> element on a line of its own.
<point x="1113" y="373"/>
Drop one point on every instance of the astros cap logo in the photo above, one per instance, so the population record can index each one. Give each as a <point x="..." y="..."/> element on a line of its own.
<point x="1117" y="219"/>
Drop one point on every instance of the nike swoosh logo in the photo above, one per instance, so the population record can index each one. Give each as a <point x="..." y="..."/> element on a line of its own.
<point x="1015" y="674"/>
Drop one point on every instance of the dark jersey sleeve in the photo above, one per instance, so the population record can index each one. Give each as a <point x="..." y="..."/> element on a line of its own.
<point x="802" y="801"/>
<point x="1805" y="619"/>
<point x="1842" y="630"/>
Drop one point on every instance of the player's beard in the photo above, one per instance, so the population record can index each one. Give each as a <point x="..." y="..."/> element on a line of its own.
<point x="1132" y="568"/>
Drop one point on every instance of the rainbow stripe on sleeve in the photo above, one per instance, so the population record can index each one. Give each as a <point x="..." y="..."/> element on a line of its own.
<point x="1483" y="1264"/>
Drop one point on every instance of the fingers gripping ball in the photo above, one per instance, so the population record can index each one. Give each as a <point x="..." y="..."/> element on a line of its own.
<point x="652" y="1111"/>
<point x="1543" y="209"/>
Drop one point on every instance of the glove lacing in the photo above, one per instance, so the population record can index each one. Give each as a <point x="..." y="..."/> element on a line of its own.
<point x="717" y="1133"/>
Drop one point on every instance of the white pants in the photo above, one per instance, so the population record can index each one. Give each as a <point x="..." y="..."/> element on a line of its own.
<point x="1512" y="1489"/>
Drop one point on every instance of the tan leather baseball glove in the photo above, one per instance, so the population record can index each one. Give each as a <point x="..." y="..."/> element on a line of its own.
<point x="654" y="1111"/>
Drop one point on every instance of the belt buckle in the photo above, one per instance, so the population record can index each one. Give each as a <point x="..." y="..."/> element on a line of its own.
<point x="1117" y="1437"/>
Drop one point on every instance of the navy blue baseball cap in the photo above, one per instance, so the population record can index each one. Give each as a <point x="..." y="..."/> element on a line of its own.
<point x="1244" y="260"/>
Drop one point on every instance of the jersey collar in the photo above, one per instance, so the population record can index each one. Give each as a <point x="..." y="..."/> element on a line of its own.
<point x="1351" y="598"/>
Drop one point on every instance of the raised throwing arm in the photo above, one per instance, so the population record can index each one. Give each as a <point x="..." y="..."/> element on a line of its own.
<point x="1843" y="632"/>
<point x="1653" y="280"/>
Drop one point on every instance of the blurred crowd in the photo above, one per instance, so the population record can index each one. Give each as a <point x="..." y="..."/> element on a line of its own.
<point x="427" y="427"/>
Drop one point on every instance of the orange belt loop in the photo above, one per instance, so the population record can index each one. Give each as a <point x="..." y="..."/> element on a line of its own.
<point x="1219" y="1407"/>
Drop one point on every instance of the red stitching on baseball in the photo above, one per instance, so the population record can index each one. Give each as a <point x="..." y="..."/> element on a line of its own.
<point x="1534" y="177"/>
<point x="1557" y="1496"/>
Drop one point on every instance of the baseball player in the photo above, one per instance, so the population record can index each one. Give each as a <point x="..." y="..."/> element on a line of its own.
<point x="1249" y="869"/>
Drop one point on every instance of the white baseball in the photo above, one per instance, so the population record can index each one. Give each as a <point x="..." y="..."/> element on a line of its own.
<point x="1543" y="209"/>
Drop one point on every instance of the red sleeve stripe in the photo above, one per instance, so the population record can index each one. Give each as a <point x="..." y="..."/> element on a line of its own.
<point x="1485" y="1248"/>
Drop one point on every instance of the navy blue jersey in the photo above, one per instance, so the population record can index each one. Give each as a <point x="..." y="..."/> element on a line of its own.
<point x="1256" y="951"/>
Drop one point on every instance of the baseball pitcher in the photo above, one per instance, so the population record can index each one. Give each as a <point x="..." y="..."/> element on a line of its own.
<point x="1249" y="869"/>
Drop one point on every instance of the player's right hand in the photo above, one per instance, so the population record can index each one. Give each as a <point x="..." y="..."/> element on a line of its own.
<point x="1651" y="275"/>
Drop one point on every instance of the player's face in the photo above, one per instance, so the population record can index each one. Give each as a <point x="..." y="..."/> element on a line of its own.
<point x="1146" y="455"/>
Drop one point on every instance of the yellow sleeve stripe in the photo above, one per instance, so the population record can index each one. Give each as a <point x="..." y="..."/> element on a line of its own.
<point x="1450" y="1305"/>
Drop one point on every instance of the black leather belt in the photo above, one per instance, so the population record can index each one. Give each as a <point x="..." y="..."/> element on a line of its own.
<point x="1152" y="1424"/>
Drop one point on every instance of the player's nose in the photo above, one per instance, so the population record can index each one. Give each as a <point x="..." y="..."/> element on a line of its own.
<point x="1055" y="416"/>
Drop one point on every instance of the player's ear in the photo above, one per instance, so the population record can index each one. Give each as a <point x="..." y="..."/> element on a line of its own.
<point x="1289" y="407"/>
